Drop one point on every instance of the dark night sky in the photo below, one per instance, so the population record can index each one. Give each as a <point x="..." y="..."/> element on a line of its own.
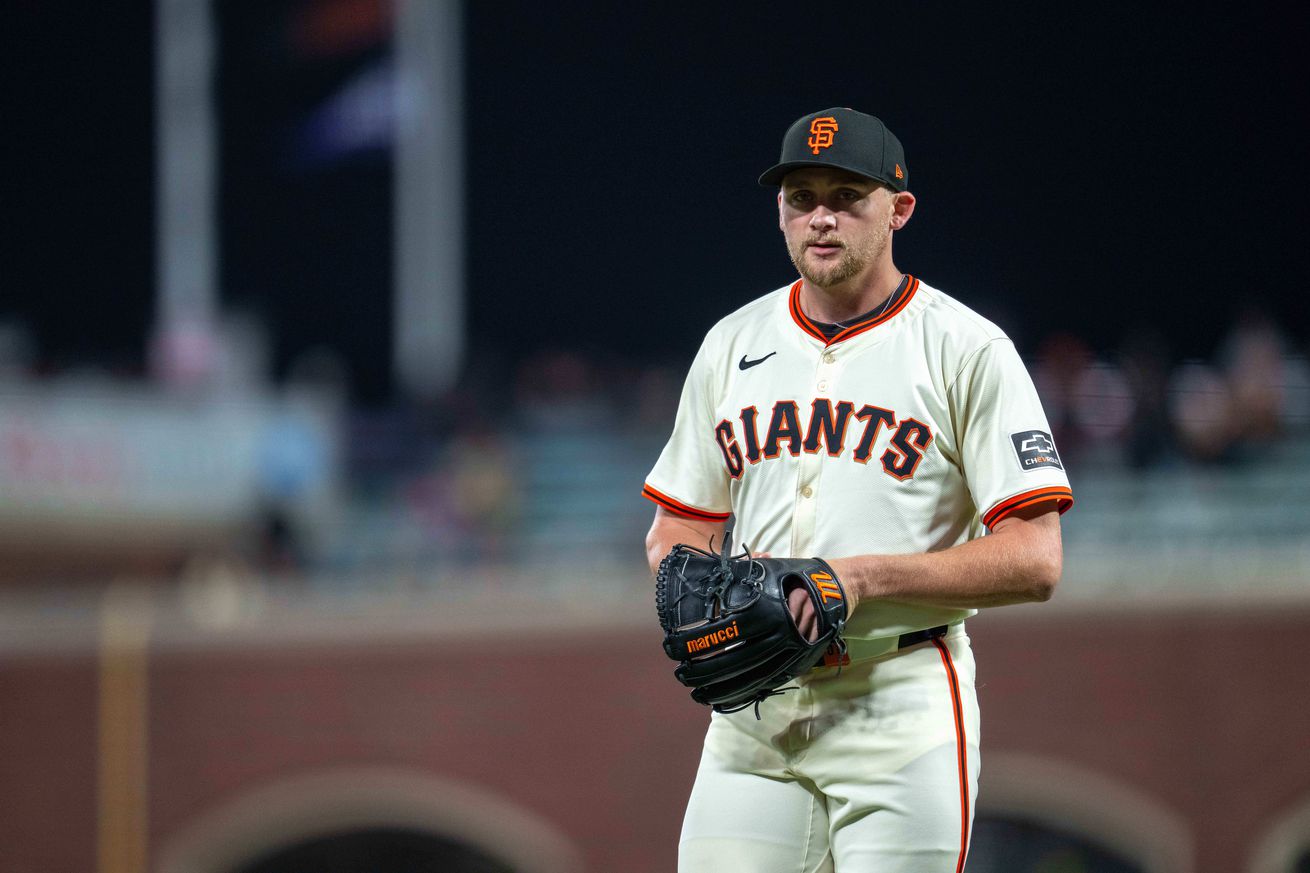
<point x="1084" y="170"/>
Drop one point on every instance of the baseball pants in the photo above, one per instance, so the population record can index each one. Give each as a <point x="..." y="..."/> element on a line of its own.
<point x="873" y="769"/>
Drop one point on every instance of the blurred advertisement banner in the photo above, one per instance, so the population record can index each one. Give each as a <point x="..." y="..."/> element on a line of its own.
<point x="74" y="461"/>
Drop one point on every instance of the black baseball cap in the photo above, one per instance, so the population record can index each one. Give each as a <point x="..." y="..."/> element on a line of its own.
<point x="844" y="139"/>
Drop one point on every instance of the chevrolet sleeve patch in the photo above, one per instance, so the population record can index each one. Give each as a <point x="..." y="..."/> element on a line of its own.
<point x="1035" y="448"/>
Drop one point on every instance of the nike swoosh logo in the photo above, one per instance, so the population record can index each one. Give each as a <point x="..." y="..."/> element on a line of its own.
<point x="746" y="365"/>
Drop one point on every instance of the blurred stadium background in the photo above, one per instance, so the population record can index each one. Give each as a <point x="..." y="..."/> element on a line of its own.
<point x="337" y="337"/>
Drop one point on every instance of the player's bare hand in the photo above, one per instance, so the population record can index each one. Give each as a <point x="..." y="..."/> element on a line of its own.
<point x="803" y="613"/>
<point x="801" y="608"/>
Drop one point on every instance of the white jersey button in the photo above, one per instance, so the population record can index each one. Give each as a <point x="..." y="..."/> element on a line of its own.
<point x="829" y="357"/>
<point x="823" y="386"/>
<point x="807" y="491"/>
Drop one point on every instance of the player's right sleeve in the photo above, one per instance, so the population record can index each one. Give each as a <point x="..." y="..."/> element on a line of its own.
<point x="690" y="478"/>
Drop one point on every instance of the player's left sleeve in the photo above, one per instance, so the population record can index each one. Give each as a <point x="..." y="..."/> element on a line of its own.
<point x="1010" y="460"/>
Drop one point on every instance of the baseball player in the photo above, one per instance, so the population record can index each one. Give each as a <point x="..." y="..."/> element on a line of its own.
<point x="861" y="416"/>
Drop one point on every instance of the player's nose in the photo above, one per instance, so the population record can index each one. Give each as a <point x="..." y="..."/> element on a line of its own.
<point x="822" y="217"/>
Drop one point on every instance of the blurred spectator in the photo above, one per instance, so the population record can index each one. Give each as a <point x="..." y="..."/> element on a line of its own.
<point x="279" y="551"/>
<point x="468" y="501"/>
<point x="1061" y="364"/>
<point x="478" y="465"/>
<point x="1149" y="437"/>
<point x="1103" y="404"/>
<point x="1252" y="358"/>
<point x="1201" y="407"/>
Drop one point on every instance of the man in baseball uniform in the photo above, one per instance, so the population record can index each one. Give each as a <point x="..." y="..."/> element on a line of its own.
<point x="861" y="416"/>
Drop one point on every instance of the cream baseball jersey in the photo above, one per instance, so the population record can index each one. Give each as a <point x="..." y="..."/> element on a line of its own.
<point x="912" y="431"/>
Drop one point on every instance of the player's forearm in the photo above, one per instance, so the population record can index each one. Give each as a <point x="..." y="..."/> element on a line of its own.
<point x="1020" y="562"/>
<point x="668" y="530"/>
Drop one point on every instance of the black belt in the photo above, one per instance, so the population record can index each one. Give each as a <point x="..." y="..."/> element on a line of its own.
<point x="914" y="637"/>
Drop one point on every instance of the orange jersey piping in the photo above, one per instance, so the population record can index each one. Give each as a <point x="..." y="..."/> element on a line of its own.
<point x="1063" y="497"/>
<point x="679" y="508"/>
<point x="806" y="324"/>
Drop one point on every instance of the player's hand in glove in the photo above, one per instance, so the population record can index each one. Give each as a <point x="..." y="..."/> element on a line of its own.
<point x="803" y="613"/>
<point x="802" y="609"/>
<point x="741" y="627"/>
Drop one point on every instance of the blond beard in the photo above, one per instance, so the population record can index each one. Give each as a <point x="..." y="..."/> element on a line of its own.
<point x="852" y="262"/>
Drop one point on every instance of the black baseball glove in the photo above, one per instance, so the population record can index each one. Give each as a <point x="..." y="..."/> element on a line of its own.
<point x="726" y="621"/>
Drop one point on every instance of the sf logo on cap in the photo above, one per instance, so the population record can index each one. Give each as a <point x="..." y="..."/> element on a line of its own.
<point x="821" y="131"/>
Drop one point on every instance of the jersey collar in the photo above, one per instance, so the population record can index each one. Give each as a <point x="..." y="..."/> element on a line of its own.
<point x="806" y="324"/>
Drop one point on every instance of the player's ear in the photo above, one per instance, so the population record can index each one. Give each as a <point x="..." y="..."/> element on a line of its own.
<point x="781" y="224"/>
<point x="902" y="208"/>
